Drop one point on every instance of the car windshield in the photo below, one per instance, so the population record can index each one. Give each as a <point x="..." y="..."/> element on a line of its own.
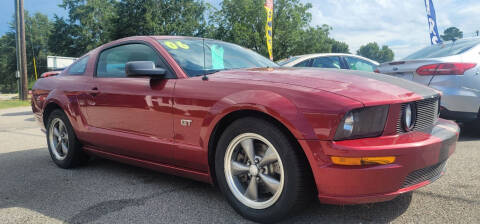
<point x="196" y="59"/>
<point x="444" y="50"/>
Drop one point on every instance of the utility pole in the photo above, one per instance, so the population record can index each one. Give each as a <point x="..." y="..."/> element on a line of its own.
<point x="21" y="49"/>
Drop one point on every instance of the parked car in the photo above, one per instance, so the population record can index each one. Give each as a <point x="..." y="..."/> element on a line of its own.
<point x="271" y="138"/>
<point x="331" y="60"/>
<point x="452" y="68"/>
<point x="51" y="73"/>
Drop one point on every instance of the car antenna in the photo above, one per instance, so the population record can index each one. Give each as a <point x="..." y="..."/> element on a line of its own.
<point x="205" y="78"/>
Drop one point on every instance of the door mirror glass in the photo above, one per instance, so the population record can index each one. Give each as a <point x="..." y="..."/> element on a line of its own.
<point x="144" y="68"/>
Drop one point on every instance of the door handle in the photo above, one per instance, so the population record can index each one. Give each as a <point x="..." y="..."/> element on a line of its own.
<point x="94" y="91"/>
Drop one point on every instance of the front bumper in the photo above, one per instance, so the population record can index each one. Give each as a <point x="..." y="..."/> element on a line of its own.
<point x="420" y="160"/>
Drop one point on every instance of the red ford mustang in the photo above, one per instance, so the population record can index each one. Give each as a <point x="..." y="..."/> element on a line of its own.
<point x="270" y="138"/>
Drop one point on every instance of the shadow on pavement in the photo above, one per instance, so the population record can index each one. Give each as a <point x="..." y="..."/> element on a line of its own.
<point x="107" y="191"/>
<point x="383" y="212"/>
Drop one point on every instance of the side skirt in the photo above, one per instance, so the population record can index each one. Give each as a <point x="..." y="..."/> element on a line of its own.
<point x="164" y="168"/>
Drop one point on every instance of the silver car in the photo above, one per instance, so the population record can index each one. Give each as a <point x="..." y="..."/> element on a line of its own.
<point x="452" y="68"/>
<point x="331" y="60"/>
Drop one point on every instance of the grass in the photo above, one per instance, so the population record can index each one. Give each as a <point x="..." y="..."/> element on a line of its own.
<point x="13" y="103"/>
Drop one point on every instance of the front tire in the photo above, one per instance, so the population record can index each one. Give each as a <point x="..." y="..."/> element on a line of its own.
<point x="64" y="148"/>
<point x="261" y="171"/>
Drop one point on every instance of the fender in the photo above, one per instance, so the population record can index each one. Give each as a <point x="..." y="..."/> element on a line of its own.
<point x="67" y="105"/>
<point x="270" y="103"/>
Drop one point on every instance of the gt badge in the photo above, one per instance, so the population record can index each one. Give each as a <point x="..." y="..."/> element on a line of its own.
<point x="185" y="122"/>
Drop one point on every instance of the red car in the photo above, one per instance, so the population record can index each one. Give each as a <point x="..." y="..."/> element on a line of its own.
<point x="270" y="138"/>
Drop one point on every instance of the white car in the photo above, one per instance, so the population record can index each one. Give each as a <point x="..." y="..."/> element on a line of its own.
<point x="452" y="68"/>
<point x="331" y="60"/>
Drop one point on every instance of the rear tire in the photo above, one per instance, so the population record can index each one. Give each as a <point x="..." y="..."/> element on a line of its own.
<point x="64" y="148"/>
<point x="261" y="172"/>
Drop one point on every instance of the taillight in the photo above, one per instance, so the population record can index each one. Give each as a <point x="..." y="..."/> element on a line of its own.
<point x="376" y="70"/>
<point x="48" y="74"/>
<point x="445" y="69"/>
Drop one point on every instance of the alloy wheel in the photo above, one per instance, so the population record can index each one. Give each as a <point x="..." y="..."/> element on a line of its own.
<point x="254" y="171"/>
<point x="58" y="139"/>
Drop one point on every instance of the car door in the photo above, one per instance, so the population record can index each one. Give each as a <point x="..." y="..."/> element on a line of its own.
<point x="327" y="62"/>
<point x="359" y="64"/>
<point x="132" y="116"/>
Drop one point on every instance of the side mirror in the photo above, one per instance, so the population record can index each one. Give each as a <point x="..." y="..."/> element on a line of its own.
<point x="144" y="68"/>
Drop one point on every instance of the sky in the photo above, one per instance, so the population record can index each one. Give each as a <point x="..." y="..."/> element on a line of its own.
<point x="399" y="24"/>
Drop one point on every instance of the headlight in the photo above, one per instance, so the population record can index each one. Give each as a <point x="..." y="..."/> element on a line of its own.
<point x="362" y="123"/>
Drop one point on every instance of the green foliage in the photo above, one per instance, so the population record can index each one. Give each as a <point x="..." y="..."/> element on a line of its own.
<point x="37" y="32"/>
<point x="158" y="17"/>
<point x="452" y="33"/>
<point x="8" y="64"/>
<point x="90" y="22"/>
<point x="13" y="103"/>
<point x="374" y="52"/>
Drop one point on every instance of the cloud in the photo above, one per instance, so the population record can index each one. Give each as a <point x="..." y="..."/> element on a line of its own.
<point x="402" y="25"/>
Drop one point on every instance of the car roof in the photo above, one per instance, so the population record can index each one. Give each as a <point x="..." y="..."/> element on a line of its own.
<point x="310" y="56"/>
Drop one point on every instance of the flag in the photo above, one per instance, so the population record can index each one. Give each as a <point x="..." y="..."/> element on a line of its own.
<point x="268" y="27"/>
<point x="432" y="23"/>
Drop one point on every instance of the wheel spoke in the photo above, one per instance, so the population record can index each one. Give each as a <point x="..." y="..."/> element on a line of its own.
<point x="61" y="128"/>
<point x="252" y="189"/>
<point x="239" y="168"/>
<point x="64" y="148"/>
<point x="248" y="147"/>
<point x="58" y="145"/>
<point x="269" y="157"/>
<point x="56" y="132"/>
<point x="271" y="183"/>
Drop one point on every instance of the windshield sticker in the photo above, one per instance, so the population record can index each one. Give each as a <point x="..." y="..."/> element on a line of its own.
<point x="177" y="44"/>
<point x="182" y="45"/>
<point x="171" y="45"/>
<point x="217" y="57"/>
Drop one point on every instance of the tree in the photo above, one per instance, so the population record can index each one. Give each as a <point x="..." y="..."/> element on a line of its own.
<point x="8" y="62"/>
<point x="37" y="32"/>
<point x="452" y="33"/>
<point x="63" y="37"/>
<point x="90" y="22"/>
<point x="339" y="47"/>
<point x="374" y="52"/>
<point x="159" y="17"/>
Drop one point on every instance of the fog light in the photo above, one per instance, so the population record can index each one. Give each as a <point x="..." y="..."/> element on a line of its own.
<point x="362" y="160"/>
<point x="409" y="116"/>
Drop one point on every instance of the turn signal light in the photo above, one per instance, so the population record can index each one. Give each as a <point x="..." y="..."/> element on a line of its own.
<point x="362" y="160"/>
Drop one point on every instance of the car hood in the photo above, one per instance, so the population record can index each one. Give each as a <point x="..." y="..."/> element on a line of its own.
<point x="366" y="87"/>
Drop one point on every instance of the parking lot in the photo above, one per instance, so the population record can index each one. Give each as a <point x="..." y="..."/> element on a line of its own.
<point x="34" y="190"/>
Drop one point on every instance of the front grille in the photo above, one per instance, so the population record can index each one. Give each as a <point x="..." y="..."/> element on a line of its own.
<point x="430" y="173"/>
<point x="427" y="114"/>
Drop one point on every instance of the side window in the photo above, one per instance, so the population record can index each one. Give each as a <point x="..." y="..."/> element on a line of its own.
<point x="111" y="62"/>
<point x="78" y="68"/>
<point x="303" y="63"/>
<point x="359" y="64"/>
<point x="327" y="62"/>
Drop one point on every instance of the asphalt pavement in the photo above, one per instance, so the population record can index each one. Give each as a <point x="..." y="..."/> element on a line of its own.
<point x="34" y="190"/>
